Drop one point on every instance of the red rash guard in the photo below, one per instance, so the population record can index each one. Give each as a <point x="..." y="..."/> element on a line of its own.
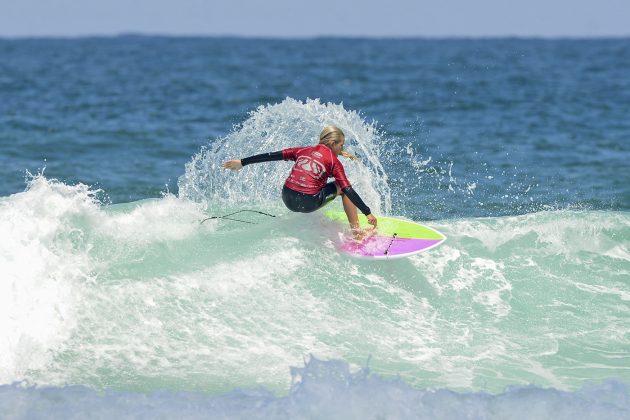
<point x="313" y="166"/>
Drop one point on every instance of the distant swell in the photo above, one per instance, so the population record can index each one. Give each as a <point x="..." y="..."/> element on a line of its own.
<point x="323" y="389"/>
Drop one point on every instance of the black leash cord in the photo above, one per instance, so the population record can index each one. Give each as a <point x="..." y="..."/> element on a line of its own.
<point x="390" y="243"/>
<point x="227" y="216"/>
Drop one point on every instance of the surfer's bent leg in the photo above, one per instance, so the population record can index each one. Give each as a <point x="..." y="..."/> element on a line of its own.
<point x="329" y="193"/>
<point x="351" y="203"/>
<point x="349" y="208"/>
<point x="351" y="212"/>
<point x="299" y="201"/>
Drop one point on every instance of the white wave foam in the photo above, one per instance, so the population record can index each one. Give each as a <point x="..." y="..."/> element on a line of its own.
<point x="166" y="219"/>
<point x="559" y="232"/>
<point x="42" y="258"/>
<point x="52" y="238"/>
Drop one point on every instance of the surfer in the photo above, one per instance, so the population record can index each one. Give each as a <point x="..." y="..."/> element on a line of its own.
<point x="306" y="190"/>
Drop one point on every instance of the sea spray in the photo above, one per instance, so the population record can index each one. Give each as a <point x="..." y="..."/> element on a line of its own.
<point x="421" y="187"/>
<point x="290" y="123"/>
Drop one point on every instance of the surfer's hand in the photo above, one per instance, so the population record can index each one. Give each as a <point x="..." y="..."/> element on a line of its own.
<point x="371" y="219"/>
<point x="234" y="165"/>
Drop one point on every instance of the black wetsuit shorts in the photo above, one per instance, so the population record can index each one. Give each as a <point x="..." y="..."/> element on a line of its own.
<point x="306" y="203"/>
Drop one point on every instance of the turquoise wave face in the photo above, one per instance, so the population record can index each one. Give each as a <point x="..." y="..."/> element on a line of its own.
<point x="140" y="296"/>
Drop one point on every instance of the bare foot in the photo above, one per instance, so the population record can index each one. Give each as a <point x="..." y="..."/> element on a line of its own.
<point x="359" y="235"/>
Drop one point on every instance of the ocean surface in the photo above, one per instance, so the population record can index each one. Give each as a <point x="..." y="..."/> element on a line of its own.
<point x="116" y="302"/>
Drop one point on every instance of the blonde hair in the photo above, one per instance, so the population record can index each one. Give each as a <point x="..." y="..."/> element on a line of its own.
<point x="332" y="135"/>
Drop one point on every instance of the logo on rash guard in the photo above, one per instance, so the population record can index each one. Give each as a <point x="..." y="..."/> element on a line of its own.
<point x="310" y="165"/>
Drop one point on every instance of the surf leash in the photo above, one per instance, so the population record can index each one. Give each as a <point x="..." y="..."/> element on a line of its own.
<point x="390" y="244"/>
<point x="227" y="216"/>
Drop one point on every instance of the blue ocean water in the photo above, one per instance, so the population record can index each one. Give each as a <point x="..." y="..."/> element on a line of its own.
<point x="116" y="301"/>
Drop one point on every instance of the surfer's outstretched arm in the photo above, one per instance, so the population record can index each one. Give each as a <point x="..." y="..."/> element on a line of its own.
<point x="237" y="164"/>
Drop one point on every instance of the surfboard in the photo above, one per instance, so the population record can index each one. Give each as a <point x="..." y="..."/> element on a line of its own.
<point x="394" y="238"/>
